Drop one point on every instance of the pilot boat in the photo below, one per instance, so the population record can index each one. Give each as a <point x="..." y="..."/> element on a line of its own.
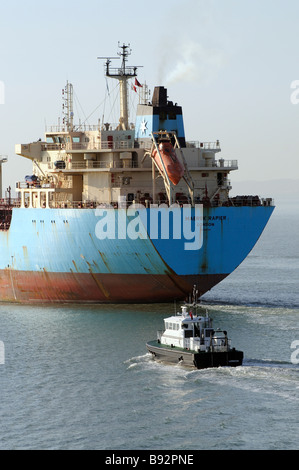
<point x="190" y="339"/>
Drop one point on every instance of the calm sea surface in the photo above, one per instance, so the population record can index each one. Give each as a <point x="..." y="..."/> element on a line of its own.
<point x="79" y="377"/>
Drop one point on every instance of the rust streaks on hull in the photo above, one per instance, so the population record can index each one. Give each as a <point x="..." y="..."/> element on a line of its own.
<point x="48" y="287"/>
<point x="100" y="285"/>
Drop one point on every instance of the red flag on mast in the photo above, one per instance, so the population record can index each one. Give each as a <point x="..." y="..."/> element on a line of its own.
<point x="137" y="83"/>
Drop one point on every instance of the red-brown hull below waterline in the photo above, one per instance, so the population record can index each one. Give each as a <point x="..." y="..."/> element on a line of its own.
<point x="45" y="287"/>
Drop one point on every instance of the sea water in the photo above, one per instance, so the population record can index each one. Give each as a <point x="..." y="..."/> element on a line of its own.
<point x="79" y="377"/>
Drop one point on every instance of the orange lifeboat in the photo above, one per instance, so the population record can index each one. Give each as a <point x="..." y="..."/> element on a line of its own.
<point x="173" y="166"/>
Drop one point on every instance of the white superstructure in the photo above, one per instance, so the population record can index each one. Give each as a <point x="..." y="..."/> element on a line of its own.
<point x="87" y="165"/>
<point x="193" y="332"/>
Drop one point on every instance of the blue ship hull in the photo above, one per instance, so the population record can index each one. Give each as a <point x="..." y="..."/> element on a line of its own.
<point x="55" y="255"/>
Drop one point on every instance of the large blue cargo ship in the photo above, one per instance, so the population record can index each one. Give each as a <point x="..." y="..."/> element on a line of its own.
<point x="124" y="213"/>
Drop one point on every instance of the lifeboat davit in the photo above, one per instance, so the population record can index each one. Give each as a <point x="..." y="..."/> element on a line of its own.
<point x="173" y="166"/>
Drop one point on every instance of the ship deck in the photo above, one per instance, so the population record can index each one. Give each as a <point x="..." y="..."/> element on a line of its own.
<point x="156" y="344"/>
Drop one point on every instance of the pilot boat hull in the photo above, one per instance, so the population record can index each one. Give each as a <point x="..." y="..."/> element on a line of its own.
<point x="199" y="360"/>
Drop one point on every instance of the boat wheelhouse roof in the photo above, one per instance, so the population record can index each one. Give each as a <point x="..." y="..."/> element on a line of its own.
<point x="184" y="319"/>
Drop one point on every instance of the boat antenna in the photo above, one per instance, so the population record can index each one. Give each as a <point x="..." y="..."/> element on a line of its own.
<point x="195" y="296"/>
<point x="122" y="74"/>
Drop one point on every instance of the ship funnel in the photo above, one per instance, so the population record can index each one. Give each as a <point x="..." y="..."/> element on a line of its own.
<point x="159" y="96"/>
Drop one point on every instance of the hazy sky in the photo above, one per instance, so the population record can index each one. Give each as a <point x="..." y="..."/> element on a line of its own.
<point x="229" y="64"/>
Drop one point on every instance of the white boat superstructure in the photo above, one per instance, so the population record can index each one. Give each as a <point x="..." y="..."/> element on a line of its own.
<point x="193" y="332"/>
<point x="190" y="339"/>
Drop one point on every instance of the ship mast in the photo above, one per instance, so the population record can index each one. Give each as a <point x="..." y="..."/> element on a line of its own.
<point x="68" y="111"/>
<point x="122" y="74"/>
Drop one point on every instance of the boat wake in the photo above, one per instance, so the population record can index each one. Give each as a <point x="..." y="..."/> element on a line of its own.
<point x="137" y="361"/>
<point x="264" y="303"/>
<point x="285" y="374"/>
<point x="269" y="363"/>
<point x="146" y="362"/>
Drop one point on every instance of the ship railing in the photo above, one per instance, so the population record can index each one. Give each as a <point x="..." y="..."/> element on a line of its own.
<point x="51" y="146"/>
<point x="100" y="164"/>
<point x="104" y="145"/>
<point x="86" y="164"/>
<point x="25" y="184"/>
<point x="143" y="144"/>
<point x="220" y="344"/>
<point x="204" y="145"/>
<point x="67" y="204"/>
<point x="83" y="127"/>
<point x="119" y="72"/>
<point x="7" y="203"/>
<point x="40" y="185"/>
<point x="146" y="201"/>
<point x="73" y="204"/>
<point x="221" y="163"/>
<point x="76" y="128"/>
<point x="117" y="145"/>
<point x="250" y="200"/>
<point x="226" y="163"/>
